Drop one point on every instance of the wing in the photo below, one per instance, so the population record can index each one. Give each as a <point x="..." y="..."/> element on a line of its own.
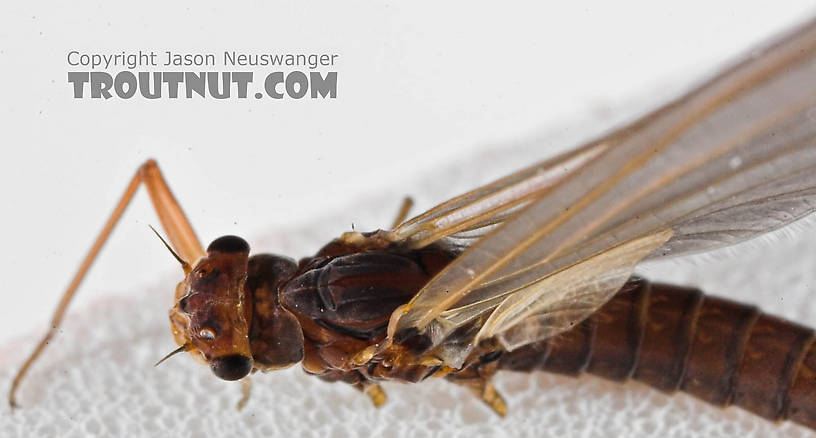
<point x="471" y="215"/>
<point x="733" y="159"/>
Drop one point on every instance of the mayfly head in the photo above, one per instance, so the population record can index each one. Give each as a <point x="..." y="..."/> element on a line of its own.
<point x="211" y="316"/>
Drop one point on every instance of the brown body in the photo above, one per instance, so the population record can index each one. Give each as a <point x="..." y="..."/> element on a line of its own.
<point x="343" y="298"/>
<point x="668" y="337"/>
<point x="675" y="338"/>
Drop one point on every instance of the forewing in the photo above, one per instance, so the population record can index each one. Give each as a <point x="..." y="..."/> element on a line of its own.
<point x="730" y="160"/>
<point x="472" y="214"/>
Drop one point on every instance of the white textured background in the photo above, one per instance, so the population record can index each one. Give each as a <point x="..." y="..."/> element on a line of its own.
<point x="420" y="88"/>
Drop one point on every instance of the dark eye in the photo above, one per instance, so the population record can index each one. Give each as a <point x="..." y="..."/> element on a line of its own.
<point x="229" y="245"/>
<point x="207" y="333"/>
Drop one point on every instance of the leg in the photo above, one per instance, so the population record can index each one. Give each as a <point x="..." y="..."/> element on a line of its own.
<point x="402" y="214"/>
<point x="359" y="382"/>
<point x="246" y="390"/>
<point x="376" y="394"/>
<point x="477" y="380"/>
<point x="174" y="222"/>
<point x="171" y="216"/>
<point x="486" y="392"/>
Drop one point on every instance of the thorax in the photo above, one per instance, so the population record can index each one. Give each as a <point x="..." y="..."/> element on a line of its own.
<point x="343" y="297"/>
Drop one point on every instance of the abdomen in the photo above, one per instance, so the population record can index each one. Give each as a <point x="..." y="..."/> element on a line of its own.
<point x="674" y="338"/>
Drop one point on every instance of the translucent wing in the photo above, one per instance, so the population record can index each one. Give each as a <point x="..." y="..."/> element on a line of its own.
<point x="733" y="159"/>
<point x="557" y="302"/>
<point x="471" y="215"/>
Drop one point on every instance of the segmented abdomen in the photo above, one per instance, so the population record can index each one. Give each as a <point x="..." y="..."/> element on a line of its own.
<point x="674" y="338"/>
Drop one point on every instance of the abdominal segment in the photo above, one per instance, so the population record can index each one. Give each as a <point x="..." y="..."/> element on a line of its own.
<point x="675" y="338"/>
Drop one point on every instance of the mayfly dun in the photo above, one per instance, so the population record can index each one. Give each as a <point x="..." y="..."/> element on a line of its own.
<point x="534" y="271"/>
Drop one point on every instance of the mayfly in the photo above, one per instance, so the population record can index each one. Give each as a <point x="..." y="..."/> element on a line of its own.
<point x="534" y="271"/>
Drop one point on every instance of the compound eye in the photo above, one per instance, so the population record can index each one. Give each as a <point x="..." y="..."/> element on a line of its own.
<point x="232" y="367"/>
<point x="229" y="245"/>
